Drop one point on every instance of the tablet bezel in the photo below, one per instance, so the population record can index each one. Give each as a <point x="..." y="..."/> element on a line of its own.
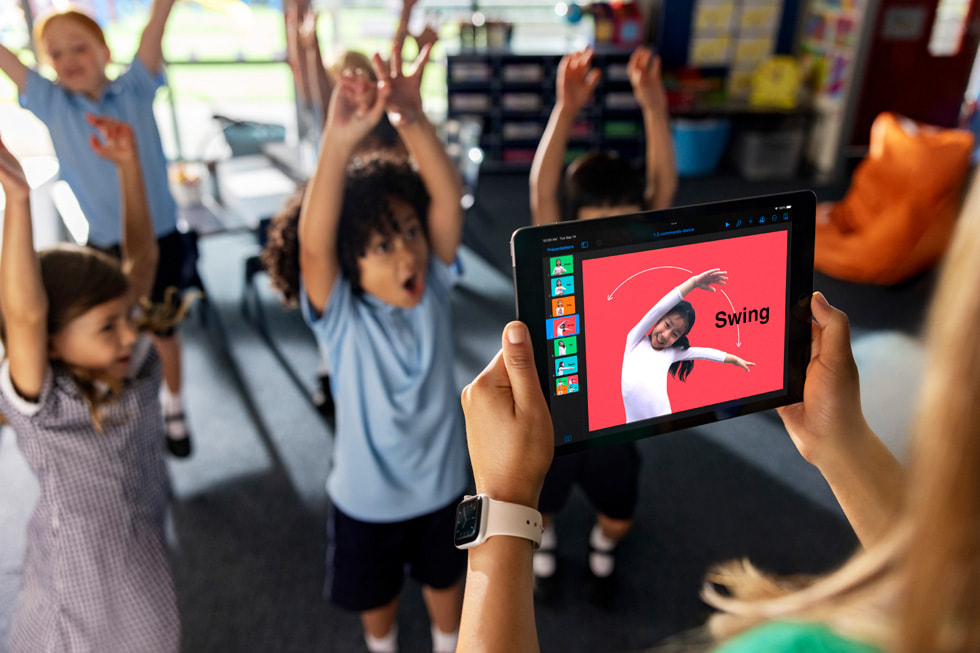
<point x="660" y="228"/>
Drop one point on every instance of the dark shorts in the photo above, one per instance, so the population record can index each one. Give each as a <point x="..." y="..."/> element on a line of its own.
<point x="171" y="268"/>
<point x="367" y="562"/>
<point x="609" y="476"/>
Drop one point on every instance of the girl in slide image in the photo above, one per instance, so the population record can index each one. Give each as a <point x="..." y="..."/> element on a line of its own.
<point x="658" y="344"/>
<point x="559" y="289"/>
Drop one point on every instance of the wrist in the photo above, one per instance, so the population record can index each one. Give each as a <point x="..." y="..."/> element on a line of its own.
<point x="507" y="494"/>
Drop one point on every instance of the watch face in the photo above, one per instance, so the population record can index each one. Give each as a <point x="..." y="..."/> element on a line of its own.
<point x="468" y="515"/>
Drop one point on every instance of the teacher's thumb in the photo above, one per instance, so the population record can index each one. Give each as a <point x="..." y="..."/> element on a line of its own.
<point x="519" y="361"/>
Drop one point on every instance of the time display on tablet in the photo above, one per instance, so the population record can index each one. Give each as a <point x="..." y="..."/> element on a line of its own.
<point x="655" y="321"/>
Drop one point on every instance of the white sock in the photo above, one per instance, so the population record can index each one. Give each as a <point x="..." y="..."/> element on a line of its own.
<point x="173" y="405"/>
<point x="601" y="560"/>
<point x="172" y="402"/>
<point x="543" y="562"/>
<point x="385" y="644"/>
<point x="444" y="642"/>
<point x="549" y="539"/>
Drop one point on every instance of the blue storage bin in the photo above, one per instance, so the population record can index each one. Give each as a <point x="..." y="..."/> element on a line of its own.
<point x="699" y="144"/>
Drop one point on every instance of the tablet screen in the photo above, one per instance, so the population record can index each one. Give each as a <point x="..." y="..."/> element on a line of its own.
<point x="655" y="321"/>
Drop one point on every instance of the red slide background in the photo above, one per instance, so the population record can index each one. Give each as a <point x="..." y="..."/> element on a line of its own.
<point x="756" y="268"/>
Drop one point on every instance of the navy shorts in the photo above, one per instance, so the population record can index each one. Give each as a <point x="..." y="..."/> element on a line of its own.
<point x="171" y="268"/>
<point x="609" y="476"/>
<point x="367" y="561"/>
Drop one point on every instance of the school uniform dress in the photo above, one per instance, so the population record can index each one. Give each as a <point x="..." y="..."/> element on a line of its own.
<point x="96" y="575"/>
<point x="93" y="180"/>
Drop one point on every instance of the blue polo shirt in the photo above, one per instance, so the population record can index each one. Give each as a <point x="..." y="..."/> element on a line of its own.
<point x="94" y="181"/>
<point x="400" y="445"/>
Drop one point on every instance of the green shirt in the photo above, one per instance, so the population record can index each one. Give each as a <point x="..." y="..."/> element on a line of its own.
<point x="793" y="637"/>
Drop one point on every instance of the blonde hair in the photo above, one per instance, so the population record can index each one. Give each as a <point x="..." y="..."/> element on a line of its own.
<point x="355" y="60"/>
<point x="81" y="18"/>
<point x="918" y="587"/>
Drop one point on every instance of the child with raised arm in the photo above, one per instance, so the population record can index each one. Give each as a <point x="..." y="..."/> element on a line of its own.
<point x="80" y="388"/>
<point x="74" y="45"/>
<point x="376" y="241"/>
<point x="596" y="184"/>
<point x="602" y="183"/>
<point x="658" y="344"/>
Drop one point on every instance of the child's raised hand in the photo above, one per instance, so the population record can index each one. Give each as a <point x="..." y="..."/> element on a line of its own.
<point x="709" y="278"/>
<point x="115" y="142"/>
<point x="405" y="98"/>
<point x="644" y="74"/>
<point x="576" y="79"/>
<point x="12" y="176"/>
<point x="356" y="106"/>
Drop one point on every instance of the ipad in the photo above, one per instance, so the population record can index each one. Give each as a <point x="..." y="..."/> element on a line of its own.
<point x="651" y="322"/>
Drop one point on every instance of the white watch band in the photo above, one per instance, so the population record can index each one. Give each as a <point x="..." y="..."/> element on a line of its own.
<point x="514" y="519"/>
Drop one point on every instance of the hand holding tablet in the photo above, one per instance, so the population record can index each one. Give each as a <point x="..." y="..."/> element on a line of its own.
<point x="668" y="319"/>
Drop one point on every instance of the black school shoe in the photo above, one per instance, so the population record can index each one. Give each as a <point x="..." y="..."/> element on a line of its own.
<point x="323" y="399"/>
<point x="600" y="590"/>
<point x="546" y="587"/>
<point x="178" y="447"/>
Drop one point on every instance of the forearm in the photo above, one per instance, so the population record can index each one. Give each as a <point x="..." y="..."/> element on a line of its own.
<point x="319" y="219"/>
<point x="867" y="481"/>
<point x="22" y="295"/>
<point x="321" y="85"/>
<point x="498" y="605"/>
<point x="139" y="246"/>
<point x="661" y="169"/>
<point x="14" y="68"/>
<point x="441" y="180"/>
<point x="548" y="164"/>
<point x="150" y="50"/>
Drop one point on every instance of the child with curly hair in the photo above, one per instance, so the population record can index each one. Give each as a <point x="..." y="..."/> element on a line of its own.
<point x="370" y="258"/>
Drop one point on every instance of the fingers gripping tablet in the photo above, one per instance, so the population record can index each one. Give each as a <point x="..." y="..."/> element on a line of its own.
<point x="651" y="322"/>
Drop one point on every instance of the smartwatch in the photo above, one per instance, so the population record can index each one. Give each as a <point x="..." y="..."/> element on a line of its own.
<point x="479" y="517"/>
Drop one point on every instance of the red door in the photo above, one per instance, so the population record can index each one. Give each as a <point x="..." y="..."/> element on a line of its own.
<point x="919" y="63"/>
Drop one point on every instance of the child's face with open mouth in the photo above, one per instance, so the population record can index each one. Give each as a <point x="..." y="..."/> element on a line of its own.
<point x="393" y="266"/>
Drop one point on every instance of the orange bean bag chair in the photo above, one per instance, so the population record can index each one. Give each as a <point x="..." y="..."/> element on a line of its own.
<point x="898" y="214"/>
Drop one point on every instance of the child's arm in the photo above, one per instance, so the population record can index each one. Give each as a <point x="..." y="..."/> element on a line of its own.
<point x="576" y="82"/>
<point x="732" y="359"/>
<point x="355" y="108"/>
<point x="13" y="68"/>
<point x="704" y="281"/>
<point x="441" y="179"/>
<point x="150" y="51"/>
<point x="22" y="297"/>
<point x="139" y="245"/>
<point x="314" y="83"/>
<point x="661" y="170"/>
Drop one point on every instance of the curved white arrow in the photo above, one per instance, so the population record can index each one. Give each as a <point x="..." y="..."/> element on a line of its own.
<point x="738" y="329"/>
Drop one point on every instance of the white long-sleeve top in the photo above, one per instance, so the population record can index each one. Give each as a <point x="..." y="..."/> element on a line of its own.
<point x="645" y="369"/>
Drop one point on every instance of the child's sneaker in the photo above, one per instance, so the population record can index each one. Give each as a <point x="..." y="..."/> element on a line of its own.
<point x="600" y="578"/>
